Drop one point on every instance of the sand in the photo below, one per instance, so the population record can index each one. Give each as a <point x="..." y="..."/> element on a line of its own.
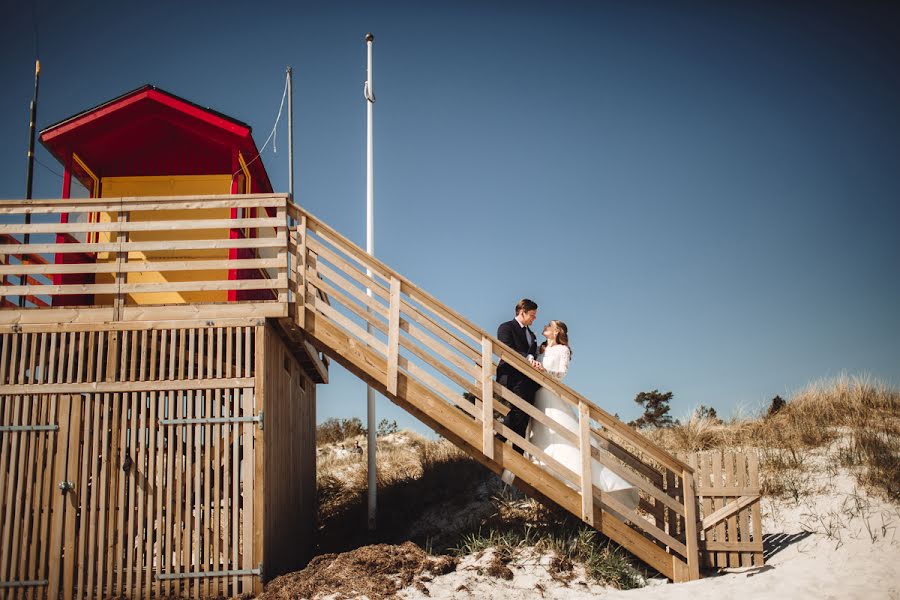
<point x="838" y="542"/>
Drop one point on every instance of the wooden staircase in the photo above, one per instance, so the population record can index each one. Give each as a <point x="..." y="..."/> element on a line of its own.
<point x="440" y="368"/>
<point x="326" y="292"/>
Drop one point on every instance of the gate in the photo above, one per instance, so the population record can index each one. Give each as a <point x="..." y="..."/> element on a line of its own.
<point x="730" y="526"/>
<point x="140" y="482"/>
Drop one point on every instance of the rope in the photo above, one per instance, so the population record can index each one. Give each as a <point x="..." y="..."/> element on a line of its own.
<point x="272" y="135"/>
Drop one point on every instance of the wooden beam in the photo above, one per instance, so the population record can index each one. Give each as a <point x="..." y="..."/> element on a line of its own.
<point x="587" y="480"/>
<point x="487" y="397"/>
<point x="393" y="347"/>
<point x="691" y="535"/>
<point x="726" y="511"/>
<point x="32" y="389"/>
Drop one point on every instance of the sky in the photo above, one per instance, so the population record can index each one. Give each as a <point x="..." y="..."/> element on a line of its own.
<point x="707" y="193"/>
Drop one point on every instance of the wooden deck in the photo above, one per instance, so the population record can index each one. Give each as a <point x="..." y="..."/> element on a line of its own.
<point x="329" y="295"/>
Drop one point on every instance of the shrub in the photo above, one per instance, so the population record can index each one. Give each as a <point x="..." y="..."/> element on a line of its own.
<point x="337" y="430"/>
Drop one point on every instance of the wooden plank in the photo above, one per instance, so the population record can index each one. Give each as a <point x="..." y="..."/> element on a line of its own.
<point x="756" y="519"/>
<point x="248" y="466"/>
<point x="174" y="469"/>
<point x="15" y="465"/>
<point x="731" y="547"/>
<point x="259" y="441"/>
<point x="47" y="462"/>
<point x="140" y="246"/>
<point x="147" y="288"/>
<point x="731" y="524"/>
<point x="236" y="502"/>
<point x="145" y="203"/>
<point x="60" y="453"/>
<point x="199" y="313"/>
<point x="95" y="550"/>
<point x="205" y="467"/>
<point x="129" y="226"/>
<point x="72" y="499"/>
<point x="690" y="524"/>
<point x="301" y="279"/>
<point x="121" y="477"/>
<point x="487" y="397"/>
<point x="345" y="322"/>
<point x="114" y="339"/>
<point x="127" y="386"/>
<point x="214" y="448"/>
<point x="162" y="266"/>
<point x="441" y="332"/>
<point x="717" y="503"/>
<point x="6" y="479"/>
<point x="728" y="511"/>
<point x="160" y="326"/>
<point x="341" y="269"/>
<point x="393" y="346"/>
<point x="366" y="312"/>
<point x="467" y="366"/>
<point x="33" y="515"/>
<point x="587" y="480"/>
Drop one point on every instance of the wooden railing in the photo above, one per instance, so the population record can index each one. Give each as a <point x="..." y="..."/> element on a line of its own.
<point x="441" y="367"/>
<point x="144" y="255"/>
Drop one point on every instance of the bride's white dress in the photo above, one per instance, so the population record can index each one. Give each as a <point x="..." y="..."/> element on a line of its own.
<point x="556" y="363"/>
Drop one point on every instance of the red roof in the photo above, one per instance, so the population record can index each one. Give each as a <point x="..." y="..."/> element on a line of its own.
<point x="150" y="131"/>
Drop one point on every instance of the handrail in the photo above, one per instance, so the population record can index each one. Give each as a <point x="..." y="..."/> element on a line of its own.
<point x="452" y="352"/>
<point x="508" y="355"/>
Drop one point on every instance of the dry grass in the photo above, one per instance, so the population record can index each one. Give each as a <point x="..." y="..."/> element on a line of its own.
<point x="858" y="414"/>
<point x="413" y="474"/>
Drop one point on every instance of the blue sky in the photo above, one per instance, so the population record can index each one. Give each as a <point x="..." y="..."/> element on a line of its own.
<point x="706" y="192"/>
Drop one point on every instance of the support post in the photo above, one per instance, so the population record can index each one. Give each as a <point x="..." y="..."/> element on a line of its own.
<point x="393" y="347"/>
<point x="587" y="480"/>
<point x="487" y="396"/>
<point x="691" y="539"/>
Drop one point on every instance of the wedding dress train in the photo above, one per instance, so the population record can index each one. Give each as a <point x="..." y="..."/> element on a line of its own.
<point x="556" y="363"/>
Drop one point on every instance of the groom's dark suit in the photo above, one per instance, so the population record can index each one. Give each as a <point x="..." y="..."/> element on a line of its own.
<point x="514" y="335"/>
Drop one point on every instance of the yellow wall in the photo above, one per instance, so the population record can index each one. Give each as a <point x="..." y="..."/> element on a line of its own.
<point x="185" y="185"/>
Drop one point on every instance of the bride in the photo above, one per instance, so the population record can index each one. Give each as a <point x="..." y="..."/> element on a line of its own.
<point x="555" y="360"/>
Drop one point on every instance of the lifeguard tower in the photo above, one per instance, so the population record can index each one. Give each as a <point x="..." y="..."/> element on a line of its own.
<point x="163" y="327"/>
<point x="150" y="142"/>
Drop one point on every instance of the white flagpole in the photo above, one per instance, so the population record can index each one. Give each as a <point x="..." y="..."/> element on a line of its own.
<point x="370" y="248"/>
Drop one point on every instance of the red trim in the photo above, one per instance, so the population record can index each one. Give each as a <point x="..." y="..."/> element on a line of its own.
<point x="48" y="135"/>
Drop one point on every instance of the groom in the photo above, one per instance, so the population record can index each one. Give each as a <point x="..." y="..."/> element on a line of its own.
<point x="520" y="338"/>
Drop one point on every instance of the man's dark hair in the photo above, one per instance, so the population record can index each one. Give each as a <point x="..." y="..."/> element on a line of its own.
<point x="525" y="305"/>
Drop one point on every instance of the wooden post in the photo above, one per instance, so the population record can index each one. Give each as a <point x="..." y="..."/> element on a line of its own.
<point x="690" y="525"/>
<point x="587" y="480"/>
<point x="393" y="347"/>
<point x="283" y="232"/>
<point x="487" y="396"/>
<point x="259" y="455"/>
<point x="121" y="278"/>
<point x="300" y="300"/>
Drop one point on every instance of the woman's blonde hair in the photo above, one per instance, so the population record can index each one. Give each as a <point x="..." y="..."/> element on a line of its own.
<point x="563" y="336"/>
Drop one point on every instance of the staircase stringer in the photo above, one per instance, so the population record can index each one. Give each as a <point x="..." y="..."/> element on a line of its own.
<point x="466" y="434"/>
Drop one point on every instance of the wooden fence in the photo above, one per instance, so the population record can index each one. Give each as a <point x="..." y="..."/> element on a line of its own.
<point x="144" y="251"/>
<point x="730" y="524"/>
<point x="127" y="463"/>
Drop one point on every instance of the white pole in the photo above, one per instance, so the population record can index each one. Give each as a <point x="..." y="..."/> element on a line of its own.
<point x="370" y="248"/>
